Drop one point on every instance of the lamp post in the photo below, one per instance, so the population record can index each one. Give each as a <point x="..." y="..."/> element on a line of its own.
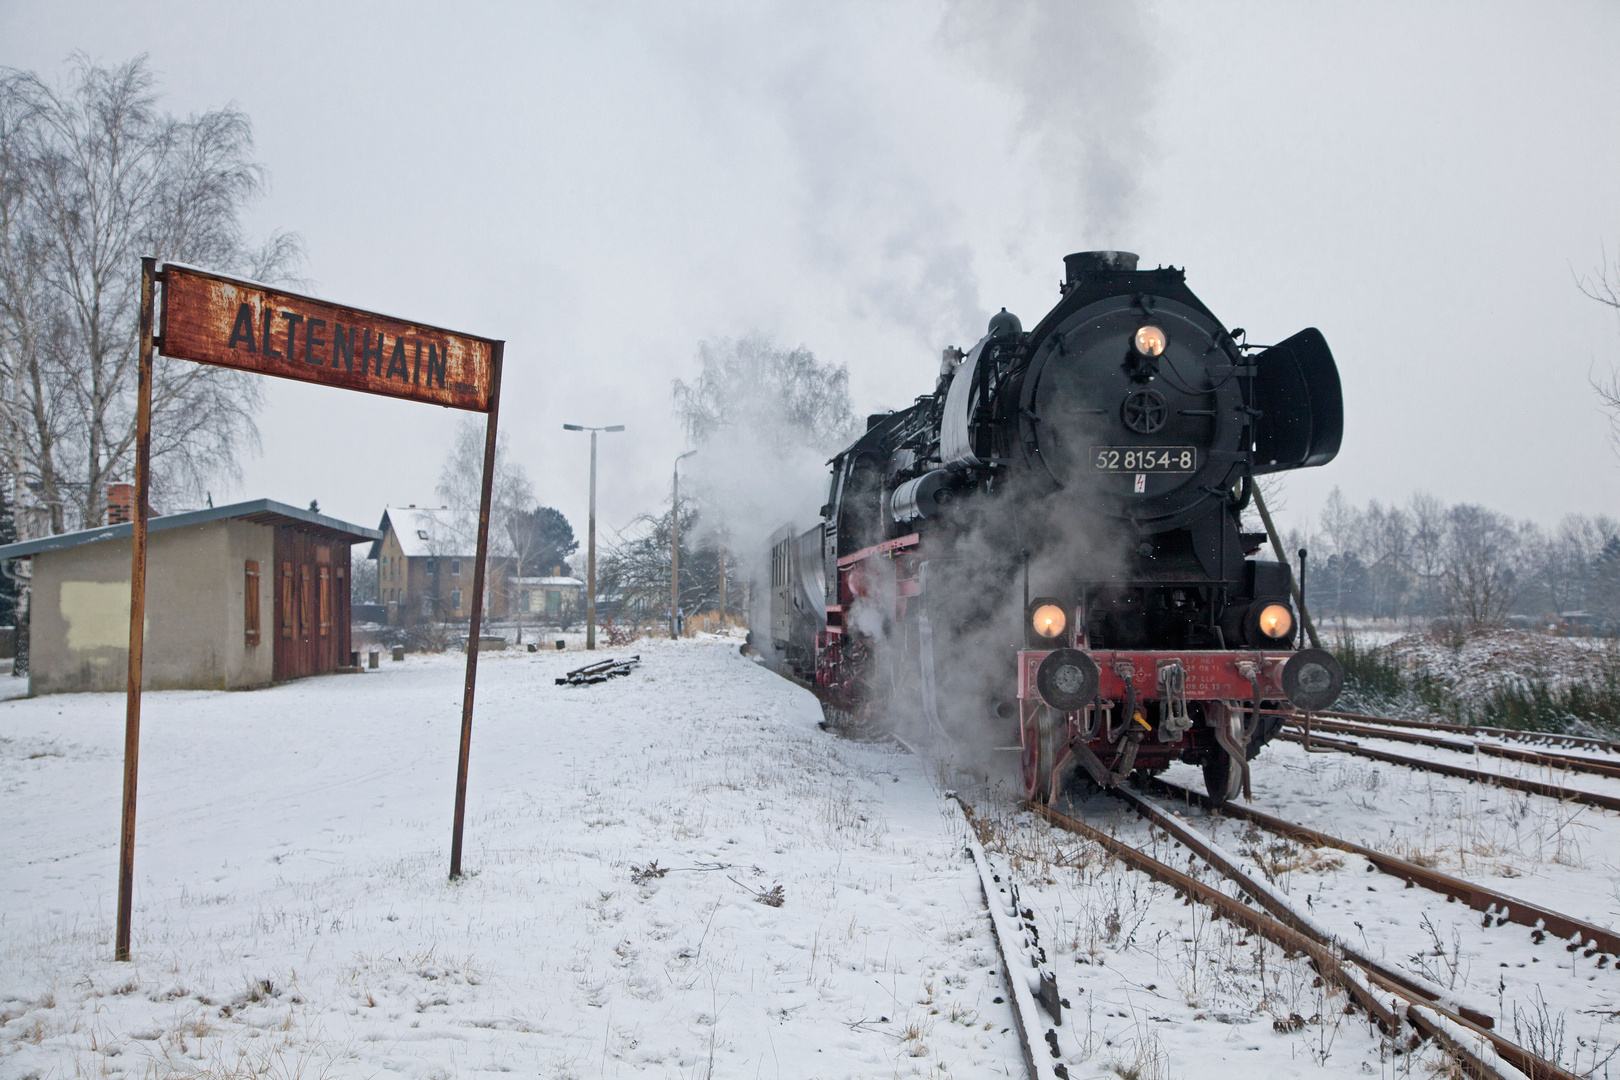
<point x="675" y="549"/>
<point x="590" y="545"/>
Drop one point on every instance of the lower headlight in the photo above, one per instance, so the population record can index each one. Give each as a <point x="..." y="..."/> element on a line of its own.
<point x="1048" y="620"/>
<point x="1276" y="621"/>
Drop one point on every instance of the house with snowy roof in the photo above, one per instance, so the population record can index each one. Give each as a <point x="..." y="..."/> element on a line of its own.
<point x="425" y="558"/>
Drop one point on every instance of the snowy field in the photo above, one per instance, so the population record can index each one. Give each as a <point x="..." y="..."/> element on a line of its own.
<point x="293" y="917"/>
<point x="627" y="846"/>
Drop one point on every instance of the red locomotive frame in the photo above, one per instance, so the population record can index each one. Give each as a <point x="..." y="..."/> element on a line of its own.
<point x="1219" y="692"/>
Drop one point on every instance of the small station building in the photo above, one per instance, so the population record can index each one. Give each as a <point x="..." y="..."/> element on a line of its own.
<point x="237" y="597"/>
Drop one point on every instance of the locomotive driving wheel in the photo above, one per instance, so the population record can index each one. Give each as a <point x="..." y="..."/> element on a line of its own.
<point x="1043" y="735"/>
<point x="1221" y="781"/>
<point x="1223" y="777"/>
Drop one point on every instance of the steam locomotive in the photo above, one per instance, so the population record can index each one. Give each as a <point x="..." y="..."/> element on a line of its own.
<point x="1054" y="537"/>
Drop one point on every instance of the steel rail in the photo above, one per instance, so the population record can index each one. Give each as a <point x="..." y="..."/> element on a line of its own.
<point x="1350" y="728"/>
<point x="998" y="897"/>
<point x="1515" y="734"/>
<point x="1544" y="758"/>
<point x="1291" y="941"/>
<point x="1295" y="933"/>
<point x="1550" y="760"/>
<point x="1490" y="902"/>
<point x="1535" y="787"/>
<point x="1264" y="894"/>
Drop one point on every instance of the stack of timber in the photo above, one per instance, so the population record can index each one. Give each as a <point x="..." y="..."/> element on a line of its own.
<point x="601" y="671"/>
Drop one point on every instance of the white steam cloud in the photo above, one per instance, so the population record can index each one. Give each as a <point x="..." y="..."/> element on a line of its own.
<point x="1085" y="76"/>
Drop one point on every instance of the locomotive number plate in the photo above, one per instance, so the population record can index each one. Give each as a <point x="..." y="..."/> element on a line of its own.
<point x="1144" y="459"/>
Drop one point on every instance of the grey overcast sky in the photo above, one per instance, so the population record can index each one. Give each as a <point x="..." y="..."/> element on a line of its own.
<point x="605" y="185"/>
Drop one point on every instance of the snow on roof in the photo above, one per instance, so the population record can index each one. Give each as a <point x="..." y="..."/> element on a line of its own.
<point x="565" y="581"/>
<point x="430" y="531"/>
<point x="260" y="511"/>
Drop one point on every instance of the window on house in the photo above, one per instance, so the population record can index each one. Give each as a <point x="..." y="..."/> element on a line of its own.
<point x="421" y="534"/>
<point x="250" y="601"/>
<point x="523" y="601"/>
<point x="455" y="570"/>
<point x="455" y="599"/>
<point x="304" y="601"/>
<point x="553" y="602"/>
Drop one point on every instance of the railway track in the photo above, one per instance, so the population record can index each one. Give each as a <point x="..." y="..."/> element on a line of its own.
<point x="1018" y="943"/>
<point x="1394" y="1000"/>
<point x="1397" y="1001"/>
<point x="1294" y="733"/>
<point x="1390" y="997"/>
<point x="1568" y="742"/>
<point x="1374" y="729"/>
<point x="1495" y="906"/>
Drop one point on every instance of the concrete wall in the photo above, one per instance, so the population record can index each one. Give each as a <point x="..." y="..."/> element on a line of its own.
<point x="195" y="630"/>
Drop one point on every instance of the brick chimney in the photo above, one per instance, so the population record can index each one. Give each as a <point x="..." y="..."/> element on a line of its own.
<point x="120" y="503"/>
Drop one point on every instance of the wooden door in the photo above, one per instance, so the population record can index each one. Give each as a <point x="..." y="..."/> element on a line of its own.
<point x="312" y="603"/>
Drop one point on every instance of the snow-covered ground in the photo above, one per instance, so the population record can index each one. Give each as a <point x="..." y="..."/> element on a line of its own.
<point x="293" y="917"/>
<point x="625" y="844"/>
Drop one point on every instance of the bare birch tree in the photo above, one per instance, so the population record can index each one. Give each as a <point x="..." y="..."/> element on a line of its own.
<point x="1603" y="285"/>
<point x="461" y="488"/>
<point x="785" y="398"/>
<point x="1481" y="575"/>
<point x="93" y="175"/>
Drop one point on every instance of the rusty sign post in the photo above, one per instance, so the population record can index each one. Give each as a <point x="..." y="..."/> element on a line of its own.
<point x="137" y="613"/>
<point x="475" y="621"/>
<point x="212" y="319"/>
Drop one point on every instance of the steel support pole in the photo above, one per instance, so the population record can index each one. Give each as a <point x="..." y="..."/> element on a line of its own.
<point x="590" y="559"/>
<point x="1276" y="546"/>
<point x="675" y="553"/>
<point x="476" y="620"/>
<point x="137" y="612"/>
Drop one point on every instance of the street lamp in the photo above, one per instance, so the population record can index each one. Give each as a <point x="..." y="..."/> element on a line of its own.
<point x="675" y="549"/>
<point x="590" y="547"/>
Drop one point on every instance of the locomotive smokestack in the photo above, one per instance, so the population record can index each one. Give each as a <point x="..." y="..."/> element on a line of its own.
<point x="1097" y="262"/>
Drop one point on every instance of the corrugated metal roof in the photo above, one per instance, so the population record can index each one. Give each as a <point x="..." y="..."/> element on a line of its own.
<point x="259" y="511"/>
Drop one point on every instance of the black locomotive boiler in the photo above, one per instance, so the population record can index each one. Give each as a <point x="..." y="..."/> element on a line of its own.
<point x="1054" y="535"/>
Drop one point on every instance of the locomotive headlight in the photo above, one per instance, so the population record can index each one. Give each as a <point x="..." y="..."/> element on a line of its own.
<point x="1276" y="621"/>
<point x="1048" y="620"/>
<point x="1149" y="341"/>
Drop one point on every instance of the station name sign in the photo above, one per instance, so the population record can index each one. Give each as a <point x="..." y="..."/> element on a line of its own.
<point x="241" y="324"/>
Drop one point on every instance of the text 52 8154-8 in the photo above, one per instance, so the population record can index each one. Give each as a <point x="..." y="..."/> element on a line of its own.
<point x="1144" y="459"/>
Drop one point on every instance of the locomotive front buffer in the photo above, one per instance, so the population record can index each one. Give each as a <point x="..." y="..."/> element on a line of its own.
<point x="1101" y="714"/>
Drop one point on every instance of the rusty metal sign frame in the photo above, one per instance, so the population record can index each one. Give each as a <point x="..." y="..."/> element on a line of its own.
<point x="251" y="325"/>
